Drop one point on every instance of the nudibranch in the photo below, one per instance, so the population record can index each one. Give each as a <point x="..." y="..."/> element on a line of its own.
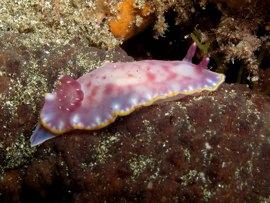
<point x="95" y="99"/>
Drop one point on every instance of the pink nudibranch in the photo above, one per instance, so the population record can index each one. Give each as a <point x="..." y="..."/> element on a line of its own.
<point x="94" y="100"/>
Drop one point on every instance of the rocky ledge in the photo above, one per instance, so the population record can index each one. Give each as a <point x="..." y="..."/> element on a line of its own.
<point x="208" y="147"/>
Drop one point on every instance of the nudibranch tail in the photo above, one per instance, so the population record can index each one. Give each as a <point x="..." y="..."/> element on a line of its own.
<point x="40" y="135"/>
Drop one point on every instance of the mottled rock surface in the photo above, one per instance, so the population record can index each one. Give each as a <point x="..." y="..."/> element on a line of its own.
<point x="209" y="147"/>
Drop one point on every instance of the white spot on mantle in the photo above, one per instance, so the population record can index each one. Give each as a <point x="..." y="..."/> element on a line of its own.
<point x="76" y="119"/>
<point x="116" y="106"/>
<point x="50" y="97"/>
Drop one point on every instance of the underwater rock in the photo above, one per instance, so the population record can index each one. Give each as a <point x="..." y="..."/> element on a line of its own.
<point x="209" y="147"/>
<point x="264" y="82"/>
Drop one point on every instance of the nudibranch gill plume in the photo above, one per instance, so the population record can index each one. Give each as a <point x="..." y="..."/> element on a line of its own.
<point x="95" y="99"/>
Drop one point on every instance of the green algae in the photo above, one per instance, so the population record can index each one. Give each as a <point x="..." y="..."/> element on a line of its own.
<point x="195" y="176"/>
<point x="187" y="155"/>
<point x="139" y="164"/>
<point x="103" y="149"/>
<point x="19" y="153"/>
<point x="196" y="36"/>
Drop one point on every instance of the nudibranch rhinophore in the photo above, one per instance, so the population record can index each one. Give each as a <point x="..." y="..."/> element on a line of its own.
<point x="94" y="100"/>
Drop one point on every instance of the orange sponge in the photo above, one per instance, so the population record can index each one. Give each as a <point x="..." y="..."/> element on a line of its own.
<point x="129" y="20"/>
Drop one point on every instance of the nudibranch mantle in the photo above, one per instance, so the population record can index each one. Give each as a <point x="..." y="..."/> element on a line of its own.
<point x="94" y="100"/>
